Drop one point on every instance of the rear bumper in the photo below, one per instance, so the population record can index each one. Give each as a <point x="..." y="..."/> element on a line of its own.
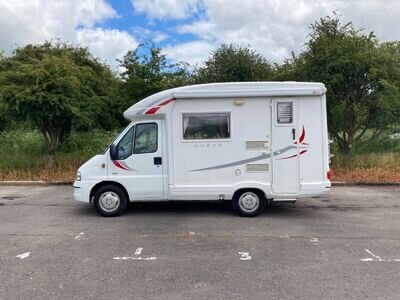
<point x="314" y="189"/>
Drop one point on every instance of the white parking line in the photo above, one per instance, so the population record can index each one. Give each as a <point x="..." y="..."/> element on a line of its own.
<point x="316" y="241"/>
<point x="134" y="258"/>
<point x="378" y="258"/>
<point x="23" y="255"/>
<point x="137" y="253"/>
<point x="80" y="236"/>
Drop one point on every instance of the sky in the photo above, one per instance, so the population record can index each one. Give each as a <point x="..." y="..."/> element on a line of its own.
<point x="187" y="30"/>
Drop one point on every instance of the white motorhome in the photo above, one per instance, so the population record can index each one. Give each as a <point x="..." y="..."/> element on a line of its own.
<point x="249" y="142"/>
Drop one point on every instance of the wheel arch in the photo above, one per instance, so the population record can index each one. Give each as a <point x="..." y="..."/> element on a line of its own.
<point x="250" y="189"/>
<point x="103" y="183"/>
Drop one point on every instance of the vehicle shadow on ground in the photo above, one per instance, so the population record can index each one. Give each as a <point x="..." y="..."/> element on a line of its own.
<point x="217" y="208"/>
<point x="167" y="208"/>
<point x="180" y="207"/>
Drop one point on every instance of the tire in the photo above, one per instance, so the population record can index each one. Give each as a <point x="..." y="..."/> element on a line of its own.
<point x="249" y="203"/>
<point x="110" y="201"/>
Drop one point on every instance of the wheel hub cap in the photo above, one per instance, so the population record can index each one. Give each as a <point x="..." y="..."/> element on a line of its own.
<point x="109" y="201"/>
<point x="249" y="202"/>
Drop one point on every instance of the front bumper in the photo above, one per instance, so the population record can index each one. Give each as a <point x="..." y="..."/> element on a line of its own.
<point x="82" y="191"/>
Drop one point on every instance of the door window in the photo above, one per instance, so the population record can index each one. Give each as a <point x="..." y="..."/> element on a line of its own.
<point x="145" y="138"/>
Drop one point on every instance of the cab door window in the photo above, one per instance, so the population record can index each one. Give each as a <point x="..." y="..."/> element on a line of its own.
<point x="145" y="138"/>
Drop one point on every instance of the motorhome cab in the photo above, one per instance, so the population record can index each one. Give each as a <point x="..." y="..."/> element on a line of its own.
<point x="249" y="142"/>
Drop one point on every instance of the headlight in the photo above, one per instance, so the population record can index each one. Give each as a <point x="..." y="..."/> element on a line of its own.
<point x="78" y="176"/>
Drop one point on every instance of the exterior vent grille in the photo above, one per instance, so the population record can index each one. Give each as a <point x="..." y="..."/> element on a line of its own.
<point x="285" y="112"/>
<point x="254" y="145"/>
<point x="257" y="167"/>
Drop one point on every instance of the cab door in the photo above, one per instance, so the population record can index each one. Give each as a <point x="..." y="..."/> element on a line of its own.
<point x="139" y="167"/>
<point x="285" y="149"/>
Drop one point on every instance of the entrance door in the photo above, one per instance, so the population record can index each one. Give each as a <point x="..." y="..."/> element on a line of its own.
<point x="285" y="150"/>
<point x="140" y="165"/>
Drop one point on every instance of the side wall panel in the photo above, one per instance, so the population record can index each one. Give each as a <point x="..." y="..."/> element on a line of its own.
<point x="312" y="160"/>
<point x="249" y="122"/>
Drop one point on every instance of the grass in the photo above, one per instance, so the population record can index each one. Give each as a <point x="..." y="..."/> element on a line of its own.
<point x="22" y="157"/>
<point x="371" y="167"/>
<point x="22" y="154"/>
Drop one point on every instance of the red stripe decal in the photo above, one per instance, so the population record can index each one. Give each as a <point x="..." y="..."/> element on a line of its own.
<point x="303" y="134"/>
<point x="294" y="155"/>
<point x="167" y="102"/>
<point x="118" y="165"/>
<point x="154" y="109"/>
<point x="303" y="151"/>
<point x="291" y="156"/>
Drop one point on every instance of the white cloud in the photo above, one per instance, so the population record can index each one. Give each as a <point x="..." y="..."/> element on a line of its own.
<point x="275" y="28"/>
<point x="165" y="9"/>
<point x="108" y="44"/>
<point x="159" y="36"/>
<point x="192" y="52"/>
<point x="272" y="27"/>
<point x="34" y="21"/>
<point x="145" y="34"/>
<point x="204" y="29"/>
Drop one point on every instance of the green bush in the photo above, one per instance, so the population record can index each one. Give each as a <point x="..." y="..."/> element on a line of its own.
<point x="88" y="143"/>
<point x="25" y="149"/>
<point x="368" y="160"/>
<point x="386" y="142"/>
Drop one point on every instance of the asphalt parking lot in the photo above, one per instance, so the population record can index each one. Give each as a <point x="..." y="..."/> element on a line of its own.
<point x="344" y="245"/>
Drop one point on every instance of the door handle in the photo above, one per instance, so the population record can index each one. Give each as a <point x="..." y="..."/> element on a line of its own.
<point x="158" y="161"/>
<point x="294" y="133"/>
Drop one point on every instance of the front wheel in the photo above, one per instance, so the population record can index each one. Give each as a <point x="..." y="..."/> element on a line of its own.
<point x="248" y="203"/>
<point x="110" y="201"/>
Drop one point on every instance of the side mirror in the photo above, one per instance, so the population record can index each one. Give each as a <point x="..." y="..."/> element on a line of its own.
<point x="113" y="152"/>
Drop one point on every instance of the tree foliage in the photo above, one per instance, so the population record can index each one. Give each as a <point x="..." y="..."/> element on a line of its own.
<point x="3" y="113"/>
<point x="55" y="86"/>
<point x="231" y="63"/>
<point x="360" y="74"/>
<point x="146" y="71"/>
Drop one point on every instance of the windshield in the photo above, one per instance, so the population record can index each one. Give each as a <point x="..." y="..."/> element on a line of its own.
<point x="117" y="136"/>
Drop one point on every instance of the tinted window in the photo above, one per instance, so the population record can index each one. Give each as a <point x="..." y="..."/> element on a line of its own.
<point x="124" y="147"/>
<point x="145" y="138"/>
<point x="206" y="126"/>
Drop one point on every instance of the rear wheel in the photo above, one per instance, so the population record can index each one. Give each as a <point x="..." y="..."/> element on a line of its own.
<point x="248" y="203"/>
<point x="110" y="201"/>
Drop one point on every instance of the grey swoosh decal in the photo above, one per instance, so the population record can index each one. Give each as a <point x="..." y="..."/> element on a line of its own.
<point x="245" y="161"/>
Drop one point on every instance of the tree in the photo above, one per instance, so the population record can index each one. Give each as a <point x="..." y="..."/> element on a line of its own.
<point x="3" y="116"/>
<point x="361" y="78"/>
<point x="231" y="63"/>
<point x="147" y="71"/>
<point x="55" y="86"/>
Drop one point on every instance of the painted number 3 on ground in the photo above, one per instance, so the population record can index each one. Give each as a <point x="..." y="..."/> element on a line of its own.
<point x="244" y="255"/>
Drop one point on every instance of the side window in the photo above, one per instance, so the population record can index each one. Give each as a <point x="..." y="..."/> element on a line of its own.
<point x="145" y="138"/>
<point x="124" y="147"/>
<point x="206" y="126"/>
<point x="284" y="112"/>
